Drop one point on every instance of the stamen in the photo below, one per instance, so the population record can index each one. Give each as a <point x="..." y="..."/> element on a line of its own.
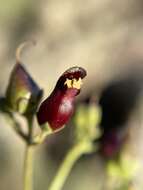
<point x="77" y="83"/>
<point x="68" y="82"/>
<point x="74" y="83"/>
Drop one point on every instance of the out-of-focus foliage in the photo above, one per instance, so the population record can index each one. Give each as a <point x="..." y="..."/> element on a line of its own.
<point x="87" y="119"/>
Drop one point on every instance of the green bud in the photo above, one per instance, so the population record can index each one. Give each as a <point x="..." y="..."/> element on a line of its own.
<point x="22" y="94"/>
<point x="86" y="120"/>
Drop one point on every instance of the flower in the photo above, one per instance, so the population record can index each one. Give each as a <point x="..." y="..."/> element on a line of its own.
<point x="59" y="106"/>
<point x="112" y="142"/>
<point x="22" y="94"/>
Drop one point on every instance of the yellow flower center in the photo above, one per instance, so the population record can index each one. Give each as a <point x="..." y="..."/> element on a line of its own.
<point x="73" y="83"/>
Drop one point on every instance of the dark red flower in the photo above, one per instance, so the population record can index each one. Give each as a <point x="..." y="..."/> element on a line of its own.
<point x="58" y="107"/>
<point x="117" y="101"/>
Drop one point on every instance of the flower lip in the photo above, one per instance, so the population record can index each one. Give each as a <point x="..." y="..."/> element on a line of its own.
<point x="74" y="73"/>
<point x="71" y="78"/>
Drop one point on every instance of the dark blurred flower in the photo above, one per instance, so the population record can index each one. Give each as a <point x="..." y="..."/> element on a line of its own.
<point x="59" y="106"/>
<point x="117" y="102"/>
<point x="111" y="143"/>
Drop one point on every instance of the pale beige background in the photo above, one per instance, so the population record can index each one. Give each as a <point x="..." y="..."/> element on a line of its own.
<point x="103" y="36"/>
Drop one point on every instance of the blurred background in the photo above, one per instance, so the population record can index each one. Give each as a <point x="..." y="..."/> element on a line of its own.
<point x="105" y="37"/>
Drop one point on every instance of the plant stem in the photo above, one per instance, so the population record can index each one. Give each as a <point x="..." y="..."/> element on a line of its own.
<point x="28" y="168"/>
<point x="72" y="156"/>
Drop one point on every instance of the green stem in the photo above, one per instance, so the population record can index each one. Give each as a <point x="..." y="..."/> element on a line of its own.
<point x="41" y="137"/>
<point x="28" y="168"/>
<point x="72" y="156"/>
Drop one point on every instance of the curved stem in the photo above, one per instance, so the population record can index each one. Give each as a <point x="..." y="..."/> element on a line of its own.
<point x="40" y="137"/>
<point x="28" y="168"/>
<point x="72" y="156"/>
<point x="46" y="130"/>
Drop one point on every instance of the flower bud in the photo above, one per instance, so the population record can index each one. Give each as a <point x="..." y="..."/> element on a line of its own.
<point x="86" y="120"/>
<point x="59" y="106"/>
<point x="23" y="94"/>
